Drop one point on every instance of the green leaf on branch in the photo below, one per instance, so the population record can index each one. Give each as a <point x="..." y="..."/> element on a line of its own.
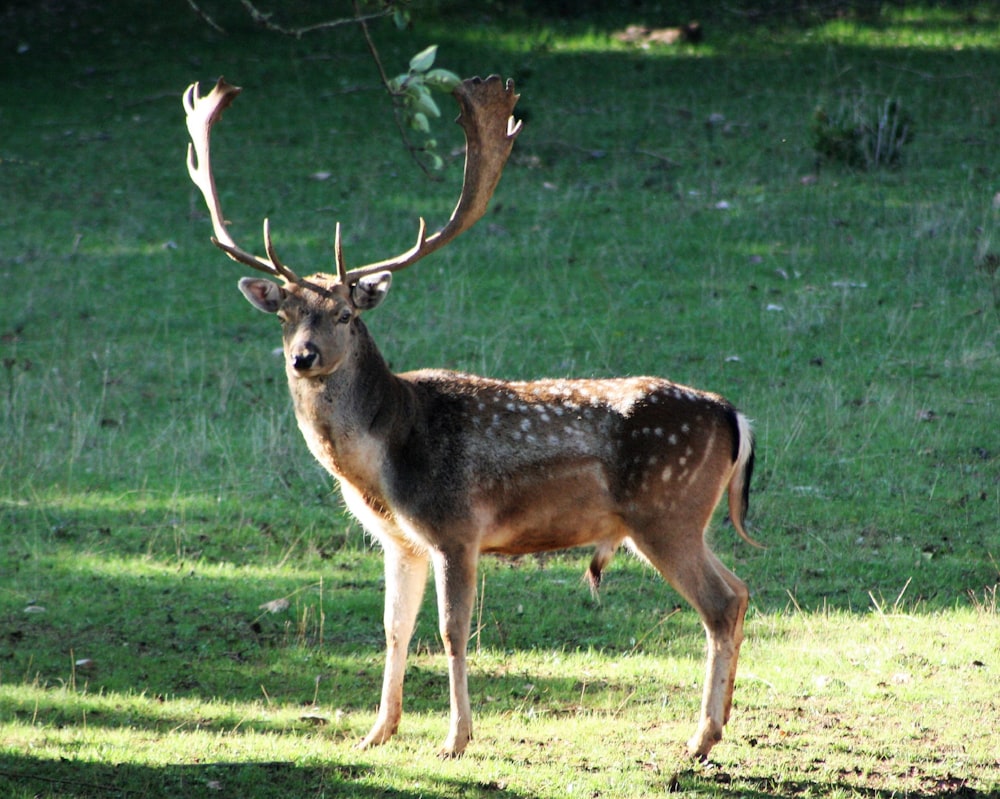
<point x="416" y="107"/>
<point x="423" y="102"/>
<point x="419" y="122"/>
<point x="423" y="60"/>
<point x="442" y="79"/>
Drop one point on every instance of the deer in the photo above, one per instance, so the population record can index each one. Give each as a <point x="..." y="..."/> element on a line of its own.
<point x="441" y="467"/>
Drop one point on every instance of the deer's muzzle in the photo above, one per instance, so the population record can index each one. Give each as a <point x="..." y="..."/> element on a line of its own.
<point x="305" y="357"/>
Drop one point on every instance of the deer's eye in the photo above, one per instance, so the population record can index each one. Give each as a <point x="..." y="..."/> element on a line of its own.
<point x="345" y="316"/>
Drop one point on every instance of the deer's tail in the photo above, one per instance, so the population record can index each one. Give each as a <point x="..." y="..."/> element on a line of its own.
<point x="739" y="482"/>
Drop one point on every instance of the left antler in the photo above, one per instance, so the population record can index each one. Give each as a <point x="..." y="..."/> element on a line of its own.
<point x="490" y="130"/>
<point x="202" y="113"/>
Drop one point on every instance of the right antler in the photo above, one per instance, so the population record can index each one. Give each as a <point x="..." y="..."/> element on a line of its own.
<point x="490" y="130"/>
<point x="202" y="113"/>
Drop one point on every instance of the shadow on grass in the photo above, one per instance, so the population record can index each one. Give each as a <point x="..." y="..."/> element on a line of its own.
<point x="25" y="776"/>
<point x="721" y="783"/>
<point x="426" y="694"/>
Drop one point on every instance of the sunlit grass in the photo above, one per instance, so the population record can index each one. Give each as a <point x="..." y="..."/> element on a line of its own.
<point x="916" y="27"/>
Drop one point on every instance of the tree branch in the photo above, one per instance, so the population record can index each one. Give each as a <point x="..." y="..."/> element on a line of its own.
<point x="264" y="19"/>
<point x="384" y="77"/>
<point x="208" y="20"/>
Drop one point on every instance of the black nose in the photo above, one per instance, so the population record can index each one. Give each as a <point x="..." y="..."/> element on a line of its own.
<point x="305" y="359"/>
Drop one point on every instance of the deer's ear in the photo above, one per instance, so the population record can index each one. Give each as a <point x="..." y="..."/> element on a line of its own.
<point x="263" y="294"/>
<point x="369" y="291"/>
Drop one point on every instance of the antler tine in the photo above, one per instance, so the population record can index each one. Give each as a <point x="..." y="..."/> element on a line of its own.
<point x="202" y="113"/>
<point x="490" y="130"/>
<point x="338" y="255"/>
<point x="272" y="256"/>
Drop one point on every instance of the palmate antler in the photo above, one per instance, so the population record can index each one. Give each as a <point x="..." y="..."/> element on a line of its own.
<point x="202" y="113"/>
<point x="490" y="129"/>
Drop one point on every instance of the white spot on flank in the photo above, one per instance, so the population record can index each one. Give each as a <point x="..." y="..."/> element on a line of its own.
<point x="525" y="425"/>
<point x="672" y="438"/>
<point x="685" y="428"/>
<point x="667" y="474"/>
<point x="658" y="432"/>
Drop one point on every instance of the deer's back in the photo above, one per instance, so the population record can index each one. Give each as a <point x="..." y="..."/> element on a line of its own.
<point x="552" y="456"/>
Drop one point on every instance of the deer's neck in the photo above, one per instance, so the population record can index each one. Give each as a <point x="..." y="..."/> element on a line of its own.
<point x="349" y="418"/>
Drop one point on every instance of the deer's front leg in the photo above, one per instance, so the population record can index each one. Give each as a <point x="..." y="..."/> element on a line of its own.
<point x="455" y="582"/>
<point x="405" y="579"/>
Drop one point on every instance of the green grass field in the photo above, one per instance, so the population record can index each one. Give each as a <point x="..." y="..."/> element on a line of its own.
<point x="663" y="213"/>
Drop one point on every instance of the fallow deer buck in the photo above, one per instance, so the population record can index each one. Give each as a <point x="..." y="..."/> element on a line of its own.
<point x="441" y="466"/>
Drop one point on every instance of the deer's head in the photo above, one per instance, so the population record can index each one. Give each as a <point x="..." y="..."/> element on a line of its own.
<point x="317" y="316"/>
<point x="319" y="313"/>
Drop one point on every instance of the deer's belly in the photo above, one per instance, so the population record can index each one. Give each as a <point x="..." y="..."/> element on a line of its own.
<point x="558" y="508"/>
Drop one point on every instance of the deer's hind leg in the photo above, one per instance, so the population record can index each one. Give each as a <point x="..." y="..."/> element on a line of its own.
<point x="721" y="600"/>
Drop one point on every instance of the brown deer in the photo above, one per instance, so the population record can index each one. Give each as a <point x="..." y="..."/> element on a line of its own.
<point x="441" y="466"/>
